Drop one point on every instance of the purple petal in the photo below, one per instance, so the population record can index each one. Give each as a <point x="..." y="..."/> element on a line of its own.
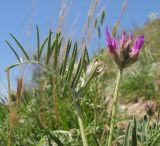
<point x="137" y="46"/>
<point x="135" y="49"/>
<point x="123" y="38"/>
<point x="141" y="41"/>
<point x="108" y="37"/>
<point x="130" y="37"/>
<point x="112" y="42"/>
<point x="116" y="44"/>
<point x="147" y="105"/>
<point x="136" y="43"/>
<point x="134" y="53"/>
<point x="152" y="105"/>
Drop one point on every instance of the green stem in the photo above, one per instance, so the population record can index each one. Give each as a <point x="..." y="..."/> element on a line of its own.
<point x="95" y="115"/>
<point x="114" y="108"/>
<point x="84" y="139"/>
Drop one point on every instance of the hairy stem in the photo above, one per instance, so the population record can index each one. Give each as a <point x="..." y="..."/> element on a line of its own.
<point x="114" y="108"/>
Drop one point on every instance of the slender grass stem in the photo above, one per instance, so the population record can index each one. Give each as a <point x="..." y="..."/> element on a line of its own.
<point x="81" y="126"/>
<point x="10" y="110"/>
<point x="114" y="108"/>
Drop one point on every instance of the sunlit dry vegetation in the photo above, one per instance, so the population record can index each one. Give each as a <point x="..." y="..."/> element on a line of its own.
<point x="74" y="98"/>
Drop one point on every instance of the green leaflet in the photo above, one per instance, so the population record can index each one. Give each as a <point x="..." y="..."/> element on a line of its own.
<point x="134" y="133"/>
<point x="15" y="53"/>
<point x="72" y="63"/>
<point x="38" y="43"/>
<point x="20" y="46"/>
<point x="64" y="64"/>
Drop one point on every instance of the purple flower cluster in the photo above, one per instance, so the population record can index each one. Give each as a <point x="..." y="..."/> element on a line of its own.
<point x="124" y="54"/>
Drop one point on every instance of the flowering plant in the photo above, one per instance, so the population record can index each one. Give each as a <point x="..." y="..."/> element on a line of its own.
<point x="124" y="54"/>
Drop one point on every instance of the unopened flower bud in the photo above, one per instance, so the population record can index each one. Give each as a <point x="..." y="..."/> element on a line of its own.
<point x="150" y="108"/>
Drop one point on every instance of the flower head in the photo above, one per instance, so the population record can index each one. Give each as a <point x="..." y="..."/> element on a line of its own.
<point x="124" y="54"/>
<point x="150" y="108"/>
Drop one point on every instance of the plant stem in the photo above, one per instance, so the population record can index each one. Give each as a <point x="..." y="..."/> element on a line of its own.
<point x="95" y="111"/>
<point x="79" y="113"/>
<point x="55" y="105"/>
<point x="114" y="107"/>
